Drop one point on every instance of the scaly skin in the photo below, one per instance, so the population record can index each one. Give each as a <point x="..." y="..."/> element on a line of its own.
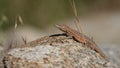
<point x="81" y="38"/>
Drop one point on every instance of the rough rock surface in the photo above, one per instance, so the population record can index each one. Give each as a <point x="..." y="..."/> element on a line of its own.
<point x="56" y="51"/>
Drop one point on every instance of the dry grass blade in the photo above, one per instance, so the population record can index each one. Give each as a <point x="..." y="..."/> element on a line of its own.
<point x="16" y="24"/>
<point x="77" y="21"/>
<point x="18" y="19"/>
<point x="24" y="40"/>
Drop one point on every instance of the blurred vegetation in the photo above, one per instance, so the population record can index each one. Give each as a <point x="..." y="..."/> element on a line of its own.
<point x="41" y="13"/>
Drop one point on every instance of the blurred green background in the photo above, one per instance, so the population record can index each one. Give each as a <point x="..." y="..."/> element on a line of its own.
<point x="99" y="18"/>
<point x="42" y="13"/>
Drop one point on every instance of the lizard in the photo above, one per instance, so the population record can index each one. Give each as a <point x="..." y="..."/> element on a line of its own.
<point x="81" y="38"/>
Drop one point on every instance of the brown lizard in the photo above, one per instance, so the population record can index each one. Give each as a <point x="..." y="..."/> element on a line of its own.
<point x="81" y="38"/>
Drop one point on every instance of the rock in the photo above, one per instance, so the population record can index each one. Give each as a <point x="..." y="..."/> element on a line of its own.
<point x="56" y="51"/>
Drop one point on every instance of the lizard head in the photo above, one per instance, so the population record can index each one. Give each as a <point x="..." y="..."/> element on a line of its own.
<point x="62" y="27"/>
